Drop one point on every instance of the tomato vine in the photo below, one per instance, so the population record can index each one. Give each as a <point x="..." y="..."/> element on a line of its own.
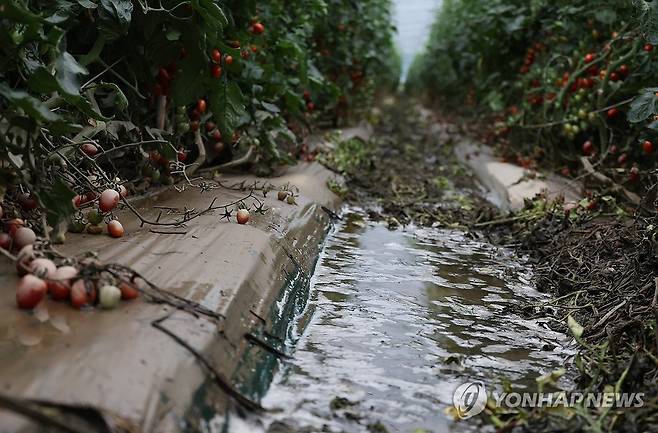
<point x="559" y="79"/>
<point x="128" y="78"/>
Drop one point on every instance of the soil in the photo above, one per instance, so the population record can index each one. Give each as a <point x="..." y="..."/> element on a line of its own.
<point x="411" y="174"/>
<point x="599" y="266"/>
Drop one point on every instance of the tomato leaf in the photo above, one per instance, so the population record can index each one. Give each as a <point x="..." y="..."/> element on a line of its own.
<point x="212" y="14"/>
<point x="115" y="16"/>
<point x="227" y="103"/>
<point x="29" y="104"/>
<point x="642" y="107"/>
<point x="57" y="201"/>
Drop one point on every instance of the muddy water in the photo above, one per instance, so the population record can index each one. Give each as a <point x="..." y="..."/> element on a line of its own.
<point x="396" y="320"/>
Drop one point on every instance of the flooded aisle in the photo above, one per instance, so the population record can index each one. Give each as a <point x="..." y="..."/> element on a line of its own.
<point x="396" y="321"/>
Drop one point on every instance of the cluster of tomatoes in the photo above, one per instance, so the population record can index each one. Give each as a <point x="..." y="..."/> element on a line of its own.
<point x="305" y="154"/>
<point x="107" y="201"/>
<point x="310" y="105"/>
<point x="530" y="55"/>
<point x="40" y="276"/>
<point x="579" y="101"/>
<point x="165" y="76"/>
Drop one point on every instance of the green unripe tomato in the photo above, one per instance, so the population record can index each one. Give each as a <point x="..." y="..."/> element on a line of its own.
<point x="94" y="217"/>
<point x="77" y="227"/>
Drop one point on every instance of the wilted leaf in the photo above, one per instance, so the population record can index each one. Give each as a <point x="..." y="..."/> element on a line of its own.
<point x="575" y="327"/>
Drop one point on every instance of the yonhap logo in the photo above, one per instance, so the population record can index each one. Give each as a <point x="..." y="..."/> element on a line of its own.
<point x="469" y="399"/>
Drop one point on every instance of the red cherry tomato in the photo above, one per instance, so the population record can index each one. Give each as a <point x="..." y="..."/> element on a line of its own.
<point x="201" y="105"/>
<point x="216" y="71"/>
<point x="216" y="55"/>
<point x="647" y="147"/>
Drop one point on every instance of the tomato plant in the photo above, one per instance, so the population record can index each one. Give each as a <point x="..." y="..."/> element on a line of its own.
<point x="551" y="76"/>
<point x="94" y="94"/>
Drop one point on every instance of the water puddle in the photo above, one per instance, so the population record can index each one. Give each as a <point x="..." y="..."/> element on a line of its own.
<point x="396" y="321"/>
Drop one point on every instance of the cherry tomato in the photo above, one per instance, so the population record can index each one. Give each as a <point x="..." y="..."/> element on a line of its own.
<point x="89" y="149"/>
<point x="128" y="291"/>
<point x="588" y="148"/>
<point x="163" y="76"/>
<point x="201" y="105"/>
<point x="5" y="241"/>
<point x="258" y="28"/>
<point x="109" y="200"/>
<point x="115" y="229"/>
<point x="647" y="147"/>
<point x="43" y="268"/>
<point x="243" y="216"/>
<point x="27" y="202"/>
<point x="624" y="70"/>
<point x="59" y="287"/>
<point x="216" y="71"/>
<point x="23" y="236"/>
<point x="216" y="55"/>
<point x="30" y="291"/>
<point x="634" y="174"/>
<point x="82" y="293"/>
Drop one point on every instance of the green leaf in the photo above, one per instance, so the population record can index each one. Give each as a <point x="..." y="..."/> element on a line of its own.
<point x="642" y="107"/>
<point x="227" y="104"/>
<point x="29" y="104"/>
<point x="17" y="13"/>
<point x="211" y="13"/>
<point x="606" y="16"/>
<point x="115" y="16"/>
<point x="87" y="4"/>
<point x="651" y="25"/>
<point x="57" y="201"/>
<point x="120" y="100"/>
<point x="270" y="107"/>
<point x="68" y="74"/>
